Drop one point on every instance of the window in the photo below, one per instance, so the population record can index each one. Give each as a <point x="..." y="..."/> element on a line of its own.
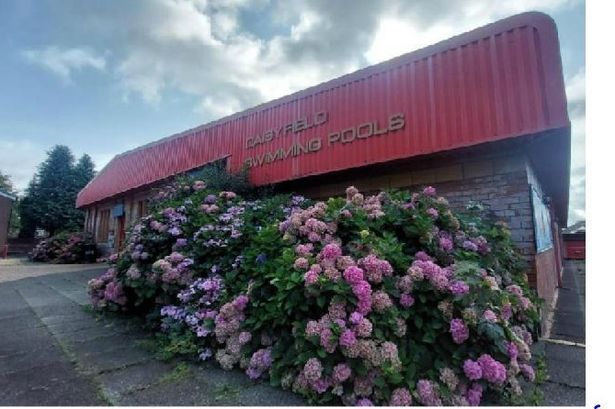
<point x="141" y="208"/>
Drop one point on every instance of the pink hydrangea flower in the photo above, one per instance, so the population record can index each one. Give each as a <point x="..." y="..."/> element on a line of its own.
<point x="433" y="213"/>
<point x="331" y="251"/>
<point x="528" y="372"/>
<point x="333" y="274"/>
<point x="314" y="237"/>
<point x="312" y="328"/>
<point x="301" y="263"/>
<point x="198" y="185"/>
<point x="364" y="328"/>
<point x="312" y="370"/>
<point x="326" y="340"/>
<point x="310" y="277"/>
<point x="405" y="284"/>
<point x="490" y="316"/>
<point x="350" y="192"/>
<point x="429" y="191"/>
<point x="353" y="274"/>
<point x="244" y="337"/>
<point x="421" y="255"/>
<point x="381" y="301"/>
<point x="304" y="250"/>
<point x="375" y="268"/>
<point x="507" y="311"/>
<point x="401" y="397"/>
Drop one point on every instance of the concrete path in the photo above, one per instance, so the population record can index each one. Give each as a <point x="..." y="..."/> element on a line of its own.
<point x="564" y="350"/>
<point x="55" y="351"/>
<point x="16" y="268"/>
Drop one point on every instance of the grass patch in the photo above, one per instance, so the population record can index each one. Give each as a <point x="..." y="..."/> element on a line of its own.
<point x="542" y="373"/>
<point x="165" y="348"/>
<point x="226" y="392"/>
<point x="180" y="372"/>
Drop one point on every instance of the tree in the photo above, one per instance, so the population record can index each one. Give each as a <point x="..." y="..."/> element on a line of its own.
<point x="84" y="171"/>
<point x="49" y="202"/>
<point x="6" y="184"/>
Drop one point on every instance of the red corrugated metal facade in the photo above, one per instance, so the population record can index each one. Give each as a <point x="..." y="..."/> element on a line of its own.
<point x="575" y="249"/>
<point x="500" y="81"/>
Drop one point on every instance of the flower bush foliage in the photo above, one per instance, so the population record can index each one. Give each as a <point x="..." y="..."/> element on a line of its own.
<point x="64" y="248"/>
<point x="390" y="299"/>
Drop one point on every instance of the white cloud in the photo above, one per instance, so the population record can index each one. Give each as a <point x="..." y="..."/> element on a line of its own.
<point x="575" y="87"/>
<point x="575" y="92"/>
<point x="201" y="47"/>
<point x="395" y="37"/>
<point x="404" y="28"/>
<point x="20" y="159"/>
<point x="64" y="61"/>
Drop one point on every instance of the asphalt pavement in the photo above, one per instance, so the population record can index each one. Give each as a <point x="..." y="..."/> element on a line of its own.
<point x="564" y="349"/>
<point x="55" y="351"/>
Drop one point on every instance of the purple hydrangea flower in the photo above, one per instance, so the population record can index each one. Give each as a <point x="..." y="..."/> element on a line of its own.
<point x="428" y="393"/>
<point x="472" y="370"/>
<point x="458" y="287"/>
<point x="406" y="300"/>
<point x="347" y="338"/>
<point x="474" y="394"/>
<point x="493" y="371"/>
<point x="341" y="372"/>
<point x="459" y="331"/>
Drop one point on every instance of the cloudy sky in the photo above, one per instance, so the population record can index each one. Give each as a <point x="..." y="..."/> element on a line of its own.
<point x="106" y="76"/>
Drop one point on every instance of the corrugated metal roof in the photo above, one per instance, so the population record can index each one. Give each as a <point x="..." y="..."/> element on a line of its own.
<point x="7" y="195"/>
<point x="500" y="81"/>
<point x="578" y="227"/>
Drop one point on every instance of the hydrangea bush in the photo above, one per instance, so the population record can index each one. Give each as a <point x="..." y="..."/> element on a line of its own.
<point x="64" y="248"/>
<point x="389" y="299"/>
